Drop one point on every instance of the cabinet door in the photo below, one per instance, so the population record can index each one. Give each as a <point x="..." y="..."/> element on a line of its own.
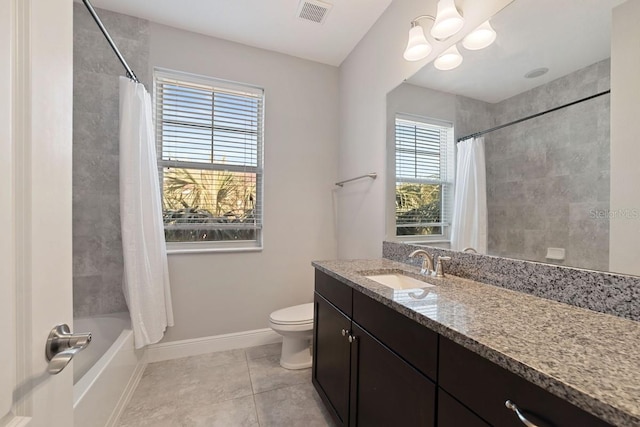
<point x="390" y="392"/>
<point x="452" y="413"/>
<point x="331" y="358"/>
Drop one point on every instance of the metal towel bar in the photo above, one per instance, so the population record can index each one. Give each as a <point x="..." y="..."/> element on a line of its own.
<point x="371" y="175"/>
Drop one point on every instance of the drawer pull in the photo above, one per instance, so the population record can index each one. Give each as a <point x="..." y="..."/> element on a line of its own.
<point x="509" y="404"/>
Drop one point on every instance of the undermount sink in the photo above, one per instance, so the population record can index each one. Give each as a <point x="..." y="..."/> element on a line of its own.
<point x="399" y="281"/>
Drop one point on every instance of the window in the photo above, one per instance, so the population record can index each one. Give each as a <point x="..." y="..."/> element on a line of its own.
<point x="210" y="144"/>
<point x="424" y="177"/>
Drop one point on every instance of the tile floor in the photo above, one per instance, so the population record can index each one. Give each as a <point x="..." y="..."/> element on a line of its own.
<point x="235" y="388"/>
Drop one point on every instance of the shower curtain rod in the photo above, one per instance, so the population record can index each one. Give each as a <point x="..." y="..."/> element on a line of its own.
<point x="96" y="18"/>
<point x="533" y="116"/>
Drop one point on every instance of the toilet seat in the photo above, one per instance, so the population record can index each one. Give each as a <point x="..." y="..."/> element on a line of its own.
<point x="297" y="315"/>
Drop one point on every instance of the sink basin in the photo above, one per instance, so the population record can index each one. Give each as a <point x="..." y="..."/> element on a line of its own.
<point x="399" y="281"/>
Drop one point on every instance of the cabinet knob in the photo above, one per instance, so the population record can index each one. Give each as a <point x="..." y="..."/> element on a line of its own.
<point x="509" y="404"/>
<point x="352" y="338"/>
<point x="345" y="332"/>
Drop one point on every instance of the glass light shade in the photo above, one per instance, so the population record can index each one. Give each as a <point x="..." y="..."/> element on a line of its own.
<point x="480" y="38"/>
<point x="448" y="20"/>
<point x="418" y="47"/>
<point x="449" y="59"/>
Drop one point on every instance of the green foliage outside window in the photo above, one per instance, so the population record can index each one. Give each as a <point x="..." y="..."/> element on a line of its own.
<point x="416" y="206"/>
<point x="222" y="202"/>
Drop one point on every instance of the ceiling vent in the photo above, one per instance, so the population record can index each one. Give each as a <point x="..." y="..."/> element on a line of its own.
<point x="313" y="10"/>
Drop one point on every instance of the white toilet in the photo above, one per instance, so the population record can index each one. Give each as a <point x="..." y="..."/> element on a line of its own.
<point x="295" y="324"/>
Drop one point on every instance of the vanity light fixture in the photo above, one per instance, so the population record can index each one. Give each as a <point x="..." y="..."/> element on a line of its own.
<point x="449" y="59"/>
<point x="446" y="23"/>
<point x="480" y="38"/>
<point x="418" y="47"/>
<point x="448" y="20"/>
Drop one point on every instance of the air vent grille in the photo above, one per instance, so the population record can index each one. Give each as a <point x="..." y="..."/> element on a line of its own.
<point x="313" y="10"/>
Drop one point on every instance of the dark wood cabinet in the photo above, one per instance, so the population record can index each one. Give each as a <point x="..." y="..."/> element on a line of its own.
<point x="390" y="392"/>
<point x="362" y="381"/>
<point x="484" y="387"/>
<point x="332" y="358"/>
<point x="410" y="340"/>
<point x="373" y="366"/>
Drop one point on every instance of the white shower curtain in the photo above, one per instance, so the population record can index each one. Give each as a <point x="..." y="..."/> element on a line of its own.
<point x="146" y="275"/>
<point x="469" y="224"/>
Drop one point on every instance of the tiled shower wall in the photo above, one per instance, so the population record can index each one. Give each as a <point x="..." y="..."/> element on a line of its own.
<point x="97" y="245"/>
<point x="548" y="178"/>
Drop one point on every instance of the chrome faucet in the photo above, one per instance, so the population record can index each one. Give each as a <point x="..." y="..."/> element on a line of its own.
<point x="427" y="261"/>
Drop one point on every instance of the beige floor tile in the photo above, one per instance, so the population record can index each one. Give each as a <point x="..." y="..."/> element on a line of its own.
<point x="294" y="406"/>
<point x="231" y="413"/>
<point x="218" y="389"/>
<point x="264" y="351"/>
<point x="267" y="374"/>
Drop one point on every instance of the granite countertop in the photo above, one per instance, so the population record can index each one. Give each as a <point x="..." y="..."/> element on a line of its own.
<point x="588" y="358"/>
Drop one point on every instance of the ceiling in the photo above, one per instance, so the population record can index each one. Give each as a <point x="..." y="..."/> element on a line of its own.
<point x="563" y="36"/>
<point x="267" y="24"/>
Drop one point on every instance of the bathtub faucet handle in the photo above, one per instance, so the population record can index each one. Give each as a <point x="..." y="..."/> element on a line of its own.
<point x="62" y="345"/>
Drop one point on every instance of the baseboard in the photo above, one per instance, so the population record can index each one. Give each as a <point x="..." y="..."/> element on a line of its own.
<point x="127" y="393"/>
<point x="196" y="346"/>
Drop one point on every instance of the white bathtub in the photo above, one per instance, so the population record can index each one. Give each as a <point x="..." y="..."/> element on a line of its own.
<point x="106" y="372"/>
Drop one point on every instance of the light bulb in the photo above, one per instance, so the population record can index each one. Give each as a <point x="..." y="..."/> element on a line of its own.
<point x="449" y="59"/>
<point x="418" y="47"/>
<point x="480" y="38"/>
<point x="448" y="20"/>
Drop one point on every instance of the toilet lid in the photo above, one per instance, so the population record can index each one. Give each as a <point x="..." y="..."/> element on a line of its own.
<point x="295" y="315"/>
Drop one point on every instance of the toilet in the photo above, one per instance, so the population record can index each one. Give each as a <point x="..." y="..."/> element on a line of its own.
<point x="295" y="324"/>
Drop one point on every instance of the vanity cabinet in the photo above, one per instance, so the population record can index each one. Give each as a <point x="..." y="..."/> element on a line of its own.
<point x="363" y="379"/>
<point x="484" y="387"/>
<point x="373" y="366"/>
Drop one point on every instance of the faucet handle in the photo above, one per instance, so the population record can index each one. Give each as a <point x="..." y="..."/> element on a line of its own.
<point x="440" y="265"/>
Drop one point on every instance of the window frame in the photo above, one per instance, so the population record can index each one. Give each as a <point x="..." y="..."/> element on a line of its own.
<point x="447" y="183"/>
<point x="224" y="85"/>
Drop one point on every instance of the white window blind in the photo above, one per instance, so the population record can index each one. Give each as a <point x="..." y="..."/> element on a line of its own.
<point x="424" y="175"/>
<point x="210" y="144"/>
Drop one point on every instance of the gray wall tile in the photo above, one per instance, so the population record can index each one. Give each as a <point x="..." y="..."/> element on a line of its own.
<point x="545" y="175"/>
<point x="97" y="244"/>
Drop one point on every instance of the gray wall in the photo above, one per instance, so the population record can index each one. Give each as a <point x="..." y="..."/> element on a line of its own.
<point x="97" y="246"/>
<point x="547" y="176"/>
<point x="220" y="293"/>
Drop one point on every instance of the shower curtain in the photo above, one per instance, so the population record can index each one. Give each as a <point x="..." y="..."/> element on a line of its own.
<point x="469" y="223"/>
<point x="146" y="275"/>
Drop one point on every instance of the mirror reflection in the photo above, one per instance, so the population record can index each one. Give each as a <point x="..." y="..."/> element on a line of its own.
<point x="546" y="181"/>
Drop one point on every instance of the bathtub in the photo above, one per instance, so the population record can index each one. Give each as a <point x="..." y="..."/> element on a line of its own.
<point x="106" y="372"/>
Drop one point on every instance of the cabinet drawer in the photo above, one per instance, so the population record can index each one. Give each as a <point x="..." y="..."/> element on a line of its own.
<point x="334" y="291"/>
<point x="452" y="413"/>
<point x="410" y="340"/>
<point x="484" y="387"/>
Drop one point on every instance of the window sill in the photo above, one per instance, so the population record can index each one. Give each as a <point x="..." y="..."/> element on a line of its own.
<point x="423" y="241"/>
<point x="210" y="249"/>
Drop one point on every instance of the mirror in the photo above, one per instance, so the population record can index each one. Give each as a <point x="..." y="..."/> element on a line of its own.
<point x="548" y="178"/>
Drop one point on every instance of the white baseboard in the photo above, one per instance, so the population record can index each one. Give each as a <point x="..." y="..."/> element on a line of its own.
<point x="127" y="393"/>
<point x="196" y="346"/>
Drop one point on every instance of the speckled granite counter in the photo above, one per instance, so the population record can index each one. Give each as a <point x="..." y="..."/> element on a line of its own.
<point x="588" y="358"/>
